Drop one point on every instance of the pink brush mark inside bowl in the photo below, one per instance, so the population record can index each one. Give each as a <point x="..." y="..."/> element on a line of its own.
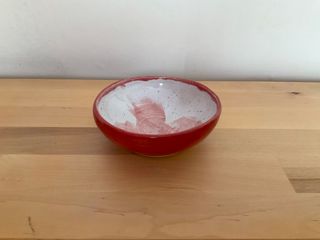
<point x="151" y="119"/>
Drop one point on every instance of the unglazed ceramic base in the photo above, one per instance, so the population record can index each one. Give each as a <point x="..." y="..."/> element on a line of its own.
<point x="156" y="106"/>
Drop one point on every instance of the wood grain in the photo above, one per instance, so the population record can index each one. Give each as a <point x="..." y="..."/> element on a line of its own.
<point x="256" y="176"/>
<point x="54" y="141"/>
<point x="68" y="103"/>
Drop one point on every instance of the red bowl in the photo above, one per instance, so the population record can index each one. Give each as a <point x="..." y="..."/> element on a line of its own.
<point x="113" y="114"/>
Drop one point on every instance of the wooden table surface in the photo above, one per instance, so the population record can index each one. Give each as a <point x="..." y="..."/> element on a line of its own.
<point x="256" y="176"/>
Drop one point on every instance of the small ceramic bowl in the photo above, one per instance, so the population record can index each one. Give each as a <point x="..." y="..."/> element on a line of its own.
<point x="156" y="116"/>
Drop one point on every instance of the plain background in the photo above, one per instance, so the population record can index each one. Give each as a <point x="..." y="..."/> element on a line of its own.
<point x="217" y="39"/>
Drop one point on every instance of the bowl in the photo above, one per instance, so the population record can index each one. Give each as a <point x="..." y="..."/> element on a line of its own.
<point x="156" y="116"/>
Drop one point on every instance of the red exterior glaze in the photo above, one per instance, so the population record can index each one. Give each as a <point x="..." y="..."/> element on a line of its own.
<point x="152" y="144"/>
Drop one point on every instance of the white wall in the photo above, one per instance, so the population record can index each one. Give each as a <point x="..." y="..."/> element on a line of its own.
<point x="264" y="39"/>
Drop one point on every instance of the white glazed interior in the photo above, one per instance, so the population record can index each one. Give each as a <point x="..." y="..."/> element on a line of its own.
<point x="178" y="99"/>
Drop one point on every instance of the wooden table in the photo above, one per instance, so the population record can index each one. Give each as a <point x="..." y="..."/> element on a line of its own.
<point x="256" y="176"/>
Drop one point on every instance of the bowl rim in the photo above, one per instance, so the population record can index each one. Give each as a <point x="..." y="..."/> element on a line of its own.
<point x="118" y="83"/>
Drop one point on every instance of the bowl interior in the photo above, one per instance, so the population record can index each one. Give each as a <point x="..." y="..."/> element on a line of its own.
<point x="156" y="106"/>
